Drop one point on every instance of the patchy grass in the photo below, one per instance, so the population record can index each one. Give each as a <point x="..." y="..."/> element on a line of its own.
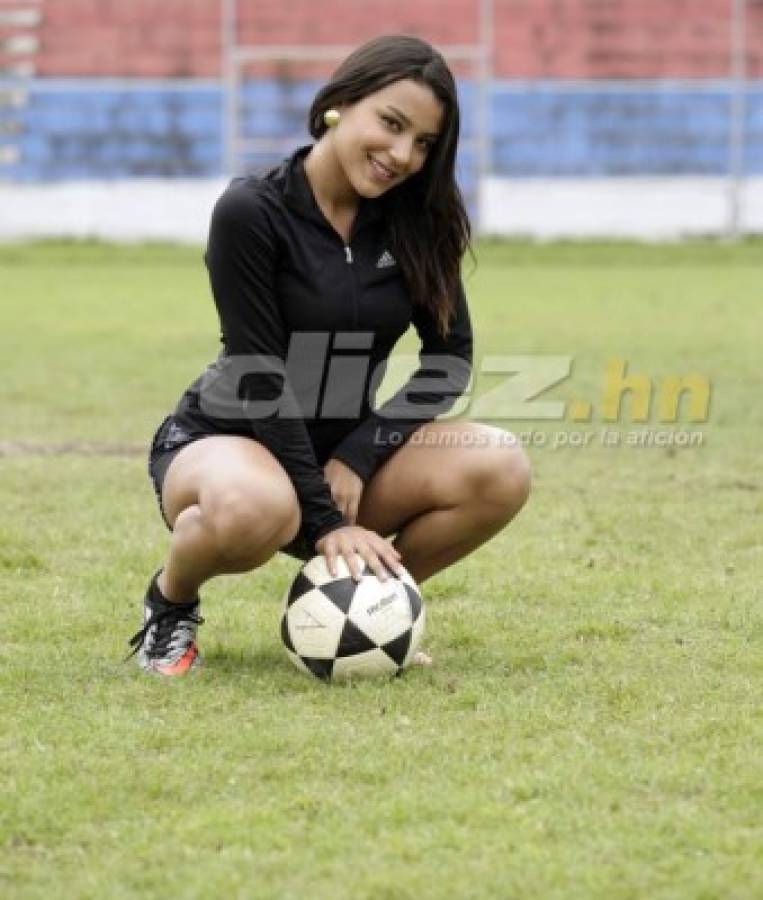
<point x="592" y="726"/>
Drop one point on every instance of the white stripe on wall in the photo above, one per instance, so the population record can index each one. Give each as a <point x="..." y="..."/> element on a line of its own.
<point x="542" y="208"/>
<point x="639" y="207"/>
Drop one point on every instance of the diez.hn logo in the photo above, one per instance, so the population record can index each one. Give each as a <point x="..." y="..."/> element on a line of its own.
<point x="316" y="382"/>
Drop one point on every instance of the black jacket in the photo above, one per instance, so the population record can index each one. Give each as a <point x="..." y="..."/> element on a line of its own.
<point x="287" y="288"/>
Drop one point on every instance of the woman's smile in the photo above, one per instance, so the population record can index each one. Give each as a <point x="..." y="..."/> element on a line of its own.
<point x="379" y="171"/>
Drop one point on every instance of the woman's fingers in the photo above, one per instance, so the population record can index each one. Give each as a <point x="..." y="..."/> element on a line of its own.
<point x="330" y="557"/>
<point x="389" y="556"/>
<point x="382" y="560"/>
<point x="377" y="566"/>
<point x="354" y="564"/>
<point x="340" y="546"/>
<point x="360" y="547"/>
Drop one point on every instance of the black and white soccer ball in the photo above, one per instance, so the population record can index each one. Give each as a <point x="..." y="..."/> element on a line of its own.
<point x="334" y="627"/>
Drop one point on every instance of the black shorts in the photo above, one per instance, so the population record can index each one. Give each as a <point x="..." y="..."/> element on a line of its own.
<point x="169" y="439"/>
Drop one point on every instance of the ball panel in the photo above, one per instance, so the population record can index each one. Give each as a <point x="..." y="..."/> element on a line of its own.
<point x="317" y="571"/>
<point x="415" y="600"/>
<point x="340" y="592"/>
<point x="364" y="665"/>
<point x="398" y="649"/>
<point x="314" y="625"/>
<point x="285" y="636"/>
<point x="353" y="641"/>
<point x="321" y="668"/>
<point x="298" y="662"/>
<point x="299" y="586"/>
<point x="381" y="609"/>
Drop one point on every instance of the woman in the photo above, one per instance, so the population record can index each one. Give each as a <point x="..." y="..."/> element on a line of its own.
<point x="333" y="254"/>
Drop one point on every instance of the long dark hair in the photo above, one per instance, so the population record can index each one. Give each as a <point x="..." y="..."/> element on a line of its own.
<point x="428" y="226"/>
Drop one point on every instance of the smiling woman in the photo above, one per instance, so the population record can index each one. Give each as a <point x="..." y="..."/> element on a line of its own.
<point x="349" y="241"/>
<point x="377" y="147"/>
<point x="394" y="122"/>
<point x="380" y="140"/>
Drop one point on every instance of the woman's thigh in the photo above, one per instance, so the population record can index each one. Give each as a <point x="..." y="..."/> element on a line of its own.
<point x="211" y="470"/>
<point x="443" y="464"/>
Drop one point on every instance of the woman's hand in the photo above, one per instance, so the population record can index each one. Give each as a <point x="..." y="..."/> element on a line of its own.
<point x="346" y="488"/>
<point x="351" y="540"/>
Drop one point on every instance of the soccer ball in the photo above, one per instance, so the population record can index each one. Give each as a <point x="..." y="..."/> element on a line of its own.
<point x="334" y="627"/>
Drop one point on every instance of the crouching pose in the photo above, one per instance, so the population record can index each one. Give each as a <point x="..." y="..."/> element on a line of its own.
<point x="317" y="268"/>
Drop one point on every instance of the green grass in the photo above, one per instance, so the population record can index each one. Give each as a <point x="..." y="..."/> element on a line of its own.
<point x="592" y="727"/>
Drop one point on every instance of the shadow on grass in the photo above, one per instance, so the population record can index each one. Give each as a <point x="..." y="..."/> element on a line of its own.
<point x="270" y="666"/>
<point x="251" y="661"/>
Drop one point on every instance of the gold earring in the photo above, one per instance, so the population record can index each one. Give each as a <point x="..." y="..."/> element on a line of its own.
<point x="331" y="118"/>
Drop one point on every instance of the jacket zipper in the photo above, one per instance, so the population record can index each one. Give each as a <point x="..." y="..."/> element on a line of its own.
<point x="349" y="260"/>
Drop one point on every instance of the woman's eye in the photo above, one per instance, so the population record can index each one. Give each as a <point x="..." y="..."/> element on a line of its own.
<point x="424" y="143"/>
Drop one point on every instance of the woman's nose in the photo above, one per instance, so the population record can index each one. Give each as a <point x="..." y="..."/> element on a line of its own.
<point x="401" y="153"/>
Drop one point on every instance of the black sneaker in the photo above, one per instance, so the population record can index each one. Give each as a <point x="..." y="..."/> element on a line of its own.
<point x="166" y="644"/>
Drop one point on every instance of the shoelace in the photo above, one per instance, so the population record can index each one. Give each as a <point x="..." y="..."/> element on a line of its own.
<point x="166" y="621"/>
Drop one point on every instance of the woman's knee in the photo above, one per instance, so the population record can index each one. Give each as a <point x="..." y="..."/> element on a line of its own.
<point x="250" y="523"/>
<point x="247" y="505"/>
<point x="505" y="473"/>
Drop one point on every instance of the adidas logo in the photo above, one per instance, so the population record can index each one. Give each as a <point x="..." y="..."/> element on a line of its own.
<point x="386" y="260"/>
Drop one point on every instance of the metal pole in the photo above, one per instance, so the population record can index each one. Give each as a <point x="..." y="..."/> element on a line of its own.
<point x="228" y="21"/>
<point x="736" y="119"/>
<point x="484" y="133"/>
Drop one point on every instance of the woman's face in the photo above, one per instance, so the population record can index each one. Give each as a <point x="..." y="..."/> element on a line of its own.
<point x="385" y="138"/>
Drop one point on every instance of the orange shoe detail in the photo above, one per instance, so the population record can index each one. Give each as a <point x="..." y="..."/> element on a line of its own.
<point x="182" y="665"/>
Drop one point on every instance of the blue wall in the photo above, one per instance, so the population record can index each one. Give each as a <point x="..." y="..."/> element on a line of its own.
<point x="116" y="132"/>
<point x="104" y="129"/>
<point x="655" y="130"/>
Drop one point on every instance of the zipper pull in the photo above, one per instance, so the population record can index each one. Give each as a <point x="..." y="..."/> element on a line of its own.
<point x="348" y="254"/>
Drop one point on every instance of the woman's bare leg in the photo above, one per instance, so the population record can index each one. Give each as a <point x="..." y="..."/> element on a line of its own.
<point x="447" y="493"/>
<point x="231" y="507"/>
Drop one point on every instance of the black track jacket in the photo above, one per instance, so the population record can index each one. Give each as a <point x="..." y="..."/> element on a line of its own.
<point x="311" y="321"/>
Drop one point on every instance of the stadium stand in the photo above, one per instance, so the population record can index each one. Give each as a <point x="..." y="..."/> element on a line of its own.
<point x="581" y="88"/>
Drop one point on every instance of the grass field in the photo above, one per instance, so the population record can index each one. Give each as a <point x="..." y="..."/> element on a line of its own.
<point x="593" y="725"/>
